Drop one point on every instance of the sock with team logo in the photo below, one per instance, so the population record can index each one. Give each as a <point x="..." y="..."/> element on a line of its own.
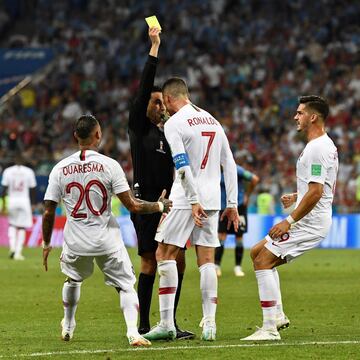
<point x="279" y="307"/>
<point x="168" y="281"/>
<point x="71" y="296"/>
<point x="129" y="305"/>
<point x="12" y="239"/>
<point x="268" y="291"/>
<point x="208" y="287"/>
<point x="20" y="239"/>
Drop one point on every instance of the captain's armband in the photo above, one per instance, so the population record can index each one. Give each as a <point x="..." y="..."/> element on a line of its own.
<point x="181" y="160"/>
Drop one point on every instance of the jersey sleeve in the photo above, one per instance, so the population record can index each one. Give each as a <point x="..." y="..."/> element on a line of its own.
<point x="32" y="179"/>
<point x="137" y="115"/>
<point x="119" y="182"/>
<point x="53" y="191"/>
<point x="318" y="165"/>
<point x="5" y="178"/>
<point x="181" y="162"/>
<point x="230" y="172"/>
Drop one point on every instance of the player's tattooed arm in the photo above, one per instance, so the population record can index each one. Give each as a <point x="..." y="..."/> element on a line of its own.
<point x="145" y="207"/>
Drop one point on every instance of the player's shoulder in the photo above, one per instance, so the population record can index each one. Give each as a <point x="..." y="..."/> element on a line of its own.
<point x="28" y="170"/>
<point x="322" y="144"/>
<point x="108" y="162"/>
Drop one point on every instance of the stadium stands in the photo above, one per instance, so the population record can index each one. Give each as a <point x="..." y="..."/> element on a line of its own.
<point x="245" y="61"/>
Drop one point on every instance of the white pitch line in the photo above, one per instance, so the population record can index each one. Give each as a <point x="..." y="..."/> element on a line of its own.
<point x="272" y="344"/>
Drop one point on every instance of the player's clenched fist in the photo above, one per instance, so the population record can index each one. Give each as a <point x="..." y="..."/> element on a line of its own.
<point x="288" y="199"/>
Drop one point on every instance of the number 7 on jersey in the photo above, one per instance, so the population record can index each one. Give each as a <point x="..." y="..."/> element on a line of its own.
<point x="211" y="135"/>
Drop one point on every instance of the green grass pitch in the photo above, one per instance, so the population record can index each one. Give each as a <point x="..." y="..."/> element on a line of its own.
<point x="321" y="292"/>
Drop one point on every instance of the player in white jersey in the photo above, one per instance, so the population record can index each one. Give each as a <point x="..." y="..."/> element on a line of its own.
<point x="19" y="184"/>
<point x="199" y="147"/>
<point x="308" y="223"/>
<point x="85" y="182"/>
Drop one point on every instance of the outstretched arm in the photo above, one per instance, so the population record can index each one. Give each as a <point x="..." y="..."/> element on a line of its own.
<point x="144" y="207"/>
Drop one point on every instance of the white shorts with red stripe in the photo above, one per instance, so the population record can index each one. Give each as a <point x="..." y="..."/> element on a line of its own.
<point x="116" y="267"/>
<point x="293" y="243"/>
<point x="178" y="227"/>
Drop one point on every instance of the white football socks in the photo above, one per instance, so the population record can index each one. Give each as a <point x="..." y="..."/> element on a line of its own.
<point x="168" y="283"/>
<point x="12" y="238"/>
<point x="208" y="287"/>
<point x="268" y="291"/>
<point x="279" y="307"/>
<point x="71" y="296"/>
<point x="20" y="239"/>
<point x="129" y="304"/>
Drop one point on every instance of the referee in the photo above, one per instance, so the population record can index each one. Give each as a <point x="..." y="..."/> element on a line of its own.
<point x="153" y="171"/>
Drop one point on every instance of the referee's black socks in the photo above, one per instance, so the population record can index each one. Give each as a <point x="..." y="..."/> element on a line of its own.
<point x="145" y="288"/>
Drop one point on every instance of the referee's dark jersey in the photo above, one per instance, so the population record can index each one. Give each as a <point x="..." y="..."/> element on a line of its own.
<point x="152" y="161"/>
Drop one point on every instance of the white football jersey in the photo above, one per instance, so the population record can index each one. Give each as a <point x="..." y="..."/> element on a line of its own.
<point x="318" y="163"/>
<point x="19" y="179"/>
<point x="85" y="181"/>
<point x="196" y="133"/>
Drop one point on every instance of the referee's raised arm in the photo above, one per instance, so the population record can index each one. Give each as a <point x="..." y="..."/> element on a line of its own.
<point x="138" y="108"/>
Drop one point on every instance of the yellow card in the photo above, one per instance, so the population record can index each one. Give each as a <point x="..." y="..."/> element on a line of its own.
<point x="152" y="21"/>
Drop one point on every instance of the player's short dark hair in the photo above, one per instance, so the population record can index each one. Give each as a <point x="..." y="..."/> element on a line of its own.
<point x="176" y="87"/>
<point x="156" y="88"/>
<point x="316" y="103"/>
<point x="84" y="126"/>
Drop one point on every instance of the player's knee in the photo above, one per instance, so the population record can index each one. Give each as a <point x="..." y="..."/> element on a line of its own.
<point x="148" y="266"/>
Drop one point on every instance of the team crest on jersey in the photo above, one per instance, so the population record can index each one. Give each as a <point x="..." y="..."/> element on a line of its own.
<point x="161" y="148"/>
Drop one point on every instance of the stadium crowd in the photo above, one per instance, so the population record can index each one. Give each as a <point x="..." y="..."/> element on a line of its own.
<point x="245" y="61"/>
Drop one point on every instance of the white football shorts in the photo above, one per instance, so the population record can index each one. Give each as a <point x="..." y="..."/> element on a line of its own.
<point x="116" y="267"/>
<point x="20" y="214"/>
<point x="293" y="243"/>
<point x="177" y="227"/>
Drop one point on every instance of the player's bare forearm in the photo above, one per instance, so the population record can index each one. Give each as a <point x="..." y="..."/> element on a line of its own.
<point x="308" y="202"/>
<point x="48" y="221"/>
<point x="144" y="207"/>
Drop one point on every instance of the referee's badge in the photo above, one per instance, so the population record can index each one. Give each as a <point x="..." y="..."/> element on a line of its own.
<point x="161" y="148"/>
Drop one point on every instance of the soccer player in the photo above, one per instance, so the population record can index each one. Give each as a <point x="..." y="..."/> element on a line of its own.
<point x="199" y="147"/>
<point x="19" y="182"/>
<point x="153" y="171"/>
<point x="246" y="184"/>
<point x="85" y="182"/>
<point x="309" y="222"/>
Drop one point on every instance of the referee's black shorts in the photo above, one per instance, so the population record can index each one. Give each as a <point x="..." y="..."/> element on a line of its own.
<point x="145" y="226"/>
<point x="241" y="230"/>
